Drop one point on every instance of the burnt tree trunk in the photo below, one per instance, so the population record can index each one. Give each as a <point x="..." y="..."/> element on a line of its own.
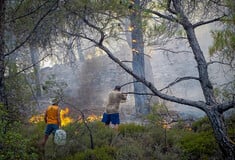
<point x="138" y="63"/>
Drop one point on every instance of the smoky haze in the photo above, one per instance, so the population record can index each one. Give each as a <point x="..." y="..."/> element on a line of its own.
<point x="89" y="82"/>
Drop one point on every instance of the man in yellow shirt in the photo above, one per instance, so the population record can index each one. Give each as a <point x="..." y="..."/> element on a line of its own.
<point x="52" y="119"/>
<point x="112" y="108"/>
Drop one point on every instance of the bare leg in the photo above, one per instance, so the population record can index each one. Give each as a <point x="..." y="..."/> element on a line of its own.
<point x="116" y="126"/>
<point x="45" y="140"/>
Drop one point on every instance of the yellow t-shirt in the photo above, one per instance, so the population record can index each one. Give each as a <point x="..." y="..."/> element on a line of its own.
<point x="52" y="114"/>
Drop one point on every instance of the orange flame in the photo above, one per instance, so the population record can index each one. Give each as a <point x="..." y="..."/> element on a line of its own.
<point x="93" y="117"/>
<point x="64" y="119"/>
<point x="37" y="118"/>
<point x="90" y="118"/>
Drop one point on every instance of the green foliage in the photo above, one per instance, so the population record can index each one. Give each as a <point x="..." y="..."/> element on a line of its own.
<point x="224" y="40"/>
<point x="198" y="146"/>
<point x="15" y="146"/>
<point x="19" y="93"/>
<point x="25" y="16"/>
<point x="130" y="152"/>
<point x="132" y="141"/>
<point x="202" y="124"/>
<point x="102" y="153"/>
<point x="131" y="129"/>
<point x="230" y="124"/>
<point x="157" y="111"/>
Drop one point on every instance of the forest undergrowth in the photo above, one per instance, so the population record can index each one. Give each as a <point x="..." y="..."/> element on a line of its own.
<point x="130" y="142"/>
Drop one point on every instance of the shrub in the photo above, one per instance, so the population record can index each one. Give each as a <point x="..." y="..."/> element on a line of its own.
<point x="230" y="124"/>
<point x="196" y="146"/>
<point x="102" y="153"/>
<point x="131" y="130"/>
<point x="15" y="146"/>
<point x="130" y="152"/>
<point x="202" y="124"/>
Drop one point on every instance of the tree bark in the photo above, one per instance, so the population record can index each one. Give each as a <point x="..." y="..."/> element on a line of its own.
<point x="138" y="63"/>
<point x="220" y="133"/>
<point x="205" y="83"/>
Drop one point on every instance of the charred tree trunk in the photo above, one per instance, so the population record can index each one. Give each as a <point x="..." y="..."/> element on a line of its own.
<point x="138" y="63"/>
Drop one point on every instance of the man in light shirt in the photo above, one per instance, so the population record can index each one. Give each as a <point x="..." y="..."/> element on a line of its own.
<point x="111" y="113"/>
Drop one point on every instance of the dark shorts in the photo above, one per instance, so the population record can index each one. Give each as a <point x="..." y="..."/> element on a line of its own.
<point x="113" y="118"/>
<point x="51" y="128"/>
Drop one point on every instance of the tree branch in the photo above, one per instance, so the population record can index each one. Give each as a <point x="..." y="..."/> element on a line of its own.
<point x="27" y="14"/>
<point x="169" y="7"/>
<point x="179" y="80"/>
<point x="170" y="17"/>
<point x="29" y="67"/>
<point x="212" y="62"/>
<point x="168" y="50"/>
<point x="151" y="94"/>
<point x="127" y="61"/>
<point x="207" y="22"/>
<point x="84" y="122"/>
<point x="34" y="28"/>
<point x="226" y="106"/>
<point x="102" y="35"/>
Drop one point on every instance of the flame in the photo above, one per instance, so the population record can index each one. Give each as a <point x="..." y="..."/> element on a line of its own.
<point x="93" y="117"/>
<point x="37" y="118"/>
<point x="131" y="28"/>
<point x="65" y="120"/>
<point x="90" y="118"/>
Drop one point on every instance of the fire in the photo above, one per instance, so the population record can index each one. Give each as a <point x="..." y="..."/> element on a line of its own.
<point x="90" y="118"/>
<point x="37" y="118"/>
<point x="64" y="119"/>
<point x="93" y="117"/>
<point x="134" y="40"/>
<point x="130" y="28"/>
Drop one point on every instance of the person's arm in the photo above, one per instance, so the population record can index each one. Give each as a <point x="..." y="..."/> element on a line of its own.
<point x="123" y="97"/>
<point x="58" y="119"/>
<point x="45" y="117"/>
